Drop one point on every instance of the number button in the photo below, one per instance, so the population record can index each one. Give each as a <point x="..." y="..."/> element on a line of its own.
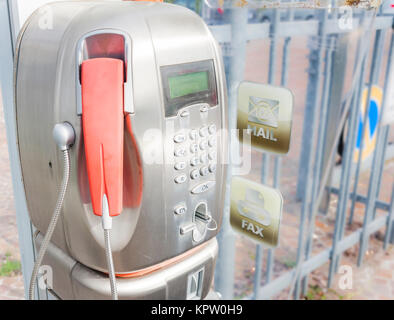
<point x="193" y="134"/>
<point x="211" y="155"/>
<point x="203" y="145"/>
<point x="203" y="131"/>
<point x="194" y="161"/>
<point x="180" y="209"/>
<point x="194" y="174"/>
<point x="180" y="165"/>
<point x="181" y="179"/>
<point x="212" y="129"/>
<point x="203" y="158"/>
<point x="180" y="152"/>
<point x="212" y="142"/>
<point x="193" y="148"/>
<point x="179" y="138"/>
<point x="204" y="171"/>
<point x="212" y="168"/>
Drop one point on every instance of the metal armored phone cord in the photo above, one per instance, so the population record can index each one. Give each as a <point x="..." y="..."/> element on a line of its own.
<point x="107" y="226"/>
<point x="64" y="136"/>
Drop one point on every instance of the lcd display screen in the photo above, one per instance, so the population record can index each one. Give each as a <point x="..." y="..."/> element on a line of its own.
<point x="189" y="83"/>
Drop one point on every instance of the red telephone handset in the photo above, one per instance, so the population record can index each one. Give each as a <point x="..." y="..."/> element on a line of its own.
<point x="103" y="130"/>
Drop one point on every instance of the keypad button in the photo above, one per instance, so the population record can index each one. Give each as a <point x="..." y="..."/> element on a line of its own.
<point x="212" y="129"/>
<point x="204" y="171"/>
<point x="212" y="167"/>
<point x="194" y="174"/>
<point x="212" y="142"/>
<point x="212" y="155"/>
<point x="180" y="165"/>
<point x="181" y="178"/>
<point x="203" y="144"/>
<point x="203" y="158"/>
<point x="185" y="114"/>
<point x="204" y="131"/>
<point x="180" y="209"/>
<point x="180" y="152"/>
<point x="195" y="161"/>
<point x="193" y="134"/>
<point x="179" y="138"/>
<point x="203" y="187"/>
<point x="193" y="148"/>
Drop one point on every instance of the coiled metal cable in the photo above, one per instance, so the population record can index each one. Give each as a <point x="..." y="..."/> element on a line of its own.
<point x="52" y="224"/>
<point x="110" y="263"/>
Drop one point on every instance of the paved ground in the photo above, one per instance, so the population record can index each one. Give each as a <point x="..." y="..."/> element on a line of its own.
<point x="375" y="280"/>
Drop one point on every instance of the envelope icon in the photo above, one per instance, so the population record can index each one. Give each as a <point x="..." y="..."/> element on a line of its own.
<point x="263" y="111"/>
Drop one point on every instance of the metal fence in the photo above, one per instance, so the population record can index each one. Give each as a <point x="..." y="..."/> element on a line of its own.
<point x="328" y="109"/>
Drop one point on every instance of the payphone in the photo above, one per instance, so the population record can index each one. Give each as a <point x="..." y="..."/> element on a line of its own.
<point x="142" y="86"/>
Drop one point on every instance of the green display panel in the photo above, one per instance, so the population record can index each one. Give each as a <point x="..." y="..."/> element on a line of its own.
<point x="190" y="83"/>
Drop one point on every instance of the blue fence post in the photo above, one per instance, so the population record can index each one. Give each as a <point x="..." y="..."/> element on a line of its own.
<point x="224" y="275"/>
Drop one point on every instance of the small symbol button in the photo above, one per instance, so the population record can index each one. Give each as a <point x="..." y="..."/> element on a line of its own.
<point x="204" y="108"/>
<point x="179" y="138"/>
<point x="180" y="152"/>
<point x="181" y="178"/>
<point x="180" y="209"/>
<point x="185" y="114"/>
<point x="180" y="165"/>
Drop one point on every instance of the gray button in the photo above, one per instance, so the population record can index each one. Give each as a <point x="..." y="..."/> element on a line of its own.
<point x="212" y="167"/>
<point x="193" y="148"/>
<point x="185" y="114"/>
<point x="180" y="152"/>
<point x="203" y="144"/>
<point x="194" y="161"/>
<point x="194" y="174"/>
<point x="180" y="165"/>
<point x="212" y="129"/>
<point x="180" y="137"/>
<point x="204" y="131"/>
<point x="193" y="134"/>
<point x="181" y="178"/>
<point x="211" y="155"/>
<point x="204" y="171"/>
<point x="203" y="187"/>
<point x="212" y="142"/>
<point x="180" y="209"/>
<point x="203" y="158"/>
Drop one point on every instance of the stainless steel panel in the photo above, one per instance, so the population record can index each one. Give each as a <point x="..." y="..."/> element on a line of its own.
<point x="46" y="92"/>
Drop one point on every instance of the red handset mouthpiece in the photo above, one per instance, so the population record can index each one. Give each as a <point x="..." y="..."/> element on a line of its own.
<point x="103" y="124"/>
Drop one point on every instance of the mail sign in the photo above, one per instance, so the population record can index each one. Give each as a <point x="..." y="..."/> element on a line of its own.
<point x="256" y="211"/>
<point x="265" y="116"/>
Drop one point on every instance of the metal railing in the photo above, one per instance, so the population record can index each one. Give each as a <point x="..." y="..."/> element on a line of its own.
<point x="327" y="107"/>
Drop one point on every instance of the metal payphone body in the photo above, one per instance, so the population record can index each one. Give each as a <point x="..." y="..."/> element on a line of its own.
<point x="175" y="149"/>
